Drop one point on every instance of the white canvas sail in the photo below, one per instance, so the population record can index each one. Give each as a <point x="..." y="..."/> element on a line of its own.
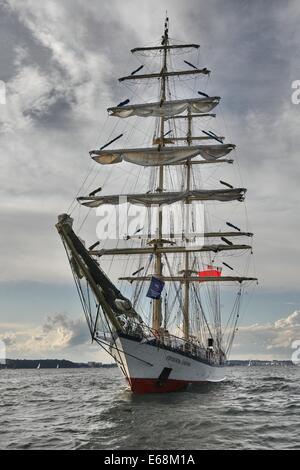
<point x="168" y="108"/>
<point x="236" y="194"/>
<point x="155" y="156"/>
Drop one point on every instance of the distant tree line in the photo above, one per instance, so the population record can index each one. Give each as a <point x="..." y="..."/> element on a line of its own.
<point x="50" y="364"/>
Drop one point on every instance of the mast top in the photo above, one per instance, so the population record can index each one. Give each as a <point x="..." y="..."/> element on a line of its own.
<point x="164" y="42"/>
<point x="166" y="32"/>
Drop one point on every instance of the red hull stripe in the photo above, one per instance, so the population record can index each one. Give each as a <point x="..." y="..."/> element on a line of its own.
<point x="152" y="386"/>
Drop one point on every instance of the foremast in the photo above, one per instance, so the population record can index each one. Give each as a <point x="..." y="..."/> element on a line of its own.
<point x="157" y="303"/>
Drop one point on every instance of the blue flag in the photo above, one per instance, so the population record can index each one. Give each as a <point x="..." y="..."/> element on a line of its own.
<point x="155" y="288"/>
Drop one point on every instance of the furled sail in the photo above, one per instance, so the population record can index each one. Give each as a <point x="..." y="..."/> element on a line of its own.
<point x="110" y="298"/>
<point x="154" y="156"/>
<point x="236" y="194"/>
<point x="167" y="108"/>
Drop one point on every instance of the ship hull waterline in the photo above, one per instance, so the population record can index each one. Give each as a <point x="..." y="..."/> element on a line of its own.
<point x="152" y="369"/>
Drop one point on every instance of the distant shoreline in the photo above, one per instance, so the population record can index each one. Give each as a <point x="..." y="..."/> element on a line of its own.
<point x="65" y="364"/>
<point x="52" y="364"/>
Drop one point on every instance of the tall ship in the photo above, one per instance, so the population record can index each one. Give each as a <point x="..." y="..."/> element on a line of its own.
<point x="150" y="285"/>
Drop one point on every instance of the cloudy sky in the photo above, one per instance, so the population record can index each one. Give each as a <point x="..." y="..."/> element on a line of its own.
<point x="59" y="61"/>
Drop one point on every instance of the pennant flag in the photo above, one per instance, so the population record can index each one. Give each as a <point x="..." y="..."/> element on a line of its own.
<point x="155" y="288"/>
<point x="211" y="271"/>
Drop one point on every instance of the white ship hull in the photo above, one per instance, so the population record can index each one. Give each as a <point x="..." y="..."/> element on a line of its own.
<point x="152" y="369"/>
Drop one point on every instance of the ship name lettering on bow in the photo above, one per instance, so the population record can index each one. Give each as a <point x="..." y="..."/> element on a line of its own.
<point x="178" y="361"/>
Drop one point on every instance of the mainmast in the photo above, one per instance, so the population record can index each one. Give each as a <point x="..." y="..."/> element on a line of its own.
<point x="157" y="315"/>
<point x="186" y="314"/>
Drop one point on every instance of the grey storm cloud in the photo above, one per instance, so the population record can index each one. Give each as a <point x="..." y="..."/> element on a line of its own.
<point x="75" y="330"/>
<point x="269" y="340"/>
<point x="9" y="339"/>
<point x="59" y="331"/>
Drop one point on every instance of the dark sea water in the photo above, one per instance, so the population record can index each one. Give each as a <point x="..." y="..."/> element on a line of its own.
<point x="255" y="408"/>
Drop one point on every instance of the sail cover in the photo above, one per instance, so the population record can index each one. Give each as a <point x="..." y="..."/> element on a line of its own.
<point x="167" y="108"/>
<point x="236" y="194"/>
<point x="154" y="156"/>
